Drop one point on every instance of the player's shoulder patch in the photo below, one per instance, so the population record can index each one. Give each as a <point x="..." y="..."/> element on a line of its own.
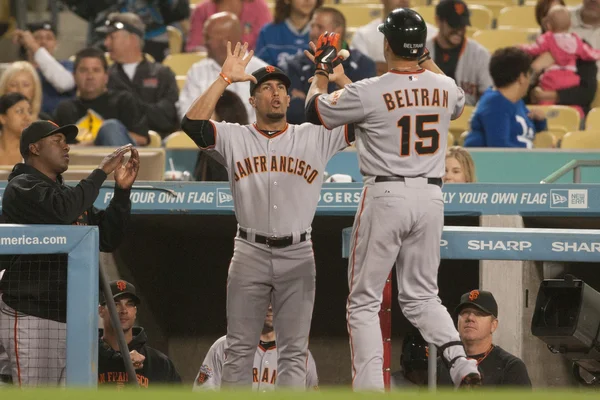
<point x="205" y="374"/>
<point x="334" y="96"/>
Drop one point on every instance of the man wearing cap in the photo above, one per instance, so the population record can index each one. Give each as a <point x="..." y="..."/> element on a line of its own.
<point x="33" y="307"/>
<point x="152" y="367"/>
<point x="56" y="76"/>
<point x="477" y="321"/>
<point x="219" y="28"/>
<point x="153" y="84"/>
<point x="462" y="59"/>
<point x="275" y="174"/>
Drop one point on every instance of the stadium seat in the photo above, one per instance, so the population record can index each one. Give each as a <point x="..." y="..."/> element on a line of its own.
<point x="155" y="139"/>
<point x="180" y="81"/>
<point x="596" y="101"/>
<point x="592" y="121"/>
<point x="560" y="117"/>
<point x="359" y="14"/>
<point x="581" y="140"/>
<point x="517" y="17"/>
<point x="182" y="62"/>
<point x="493" y="39"/>
<point x="451" y="140"/>
<point x="179" y="140"/>
<point x="458" y="126"/>
<point x="481" y="17"/>
<point x="175" y="40"/>
<point x="493" y="5"/>
<point x="461" y="139"/>
<point x="152" y="160"/>
<point x="544" y="140"/>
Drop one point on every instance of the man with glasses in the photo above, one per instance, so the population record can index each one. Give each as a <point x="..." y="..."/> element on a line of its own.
<point x="152" y="367"/>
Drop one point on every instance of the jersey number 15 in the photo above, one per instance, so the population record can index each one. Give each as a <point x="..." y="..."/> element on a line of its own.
<point x="433" y="135"/>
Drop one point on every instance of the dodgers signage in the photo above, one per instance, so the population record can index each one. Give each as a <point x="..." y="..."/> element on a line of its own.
<point x="343" y="199"/>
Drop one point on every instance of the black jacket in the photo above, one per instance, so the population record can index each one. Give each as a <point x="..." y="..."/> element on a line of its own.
<point x="155" y="90"/>
<point x="157" y="366"/>
<point x="37" y="284"/>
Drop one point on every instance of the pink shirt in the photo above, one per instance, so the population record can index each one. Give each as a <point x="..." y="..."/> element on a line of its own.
<point x="565" y="48"/>
<point x="255" y="14"/>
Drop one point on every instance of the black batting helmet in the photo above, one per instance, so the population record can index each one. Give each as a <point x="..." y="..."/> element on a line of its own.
<point x="406" y="32"/>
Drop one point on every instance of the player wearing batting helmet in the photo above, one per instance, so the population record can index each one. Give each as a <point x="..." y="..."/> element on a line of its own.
<point x="401" y="120"/>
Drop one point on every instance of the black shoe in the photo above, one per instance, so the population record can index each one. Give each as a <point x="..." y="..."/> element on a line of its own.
<point x="470" y="381"/>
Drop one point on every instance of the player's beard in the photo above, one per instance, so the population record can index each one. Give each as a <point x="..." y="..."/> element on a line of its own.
<point x="276" y="116"/>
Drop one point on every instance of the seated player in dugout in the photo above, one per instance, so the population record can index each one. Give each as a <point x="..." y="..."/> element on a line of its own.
<point x="477" y="322"/>
<point x="151" y="366"/>
<point x="264" y="369"/>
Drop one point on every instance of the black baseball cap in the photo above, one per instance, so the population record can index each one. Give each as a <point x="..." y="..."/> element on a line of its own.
<point x="267" y="73"/>
<point x="41" y="129"/>
<point x="123" y="21"/>
<point x="121" y="288"/>
<point x="455" y="12"/>
<point x="480" y="299"/>
<point x="38" y="26"/>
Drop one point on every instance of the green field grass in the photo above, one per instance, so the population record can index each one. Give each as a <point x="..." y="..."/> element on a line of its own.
<point x="324" y="394"/>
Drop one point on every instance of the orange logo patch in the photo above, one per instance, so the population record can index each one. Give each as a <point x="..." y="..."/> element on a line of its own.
<point x="459" y="8"/>
<point x="269" y="69"/>
<point x="473" y="295"/>
<point x="121" y="285"/>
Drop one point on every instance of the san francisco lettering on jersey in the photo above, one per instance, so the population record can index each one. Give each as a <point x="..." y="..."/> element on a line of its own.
<point x="258" y="164"/>
<point x="417" y="97"/>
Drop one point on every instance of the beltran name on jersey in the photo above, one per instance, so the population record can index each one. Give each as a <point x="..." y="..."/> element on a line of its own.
<point x="415" y="98"/>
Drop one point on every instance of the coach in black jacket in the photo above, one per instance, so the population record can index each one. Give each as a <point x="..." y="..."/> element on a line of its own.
<point x="153" y="84"/>
<point x="34" y="287"/>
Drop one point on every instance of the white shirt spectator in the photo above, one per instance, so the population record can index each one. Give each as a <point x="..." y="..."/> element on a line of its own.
<point x="589" y="33"/>
<point x="369" y="41"/>
<point x="203" y="74"/>
<point x="55" y="73"/>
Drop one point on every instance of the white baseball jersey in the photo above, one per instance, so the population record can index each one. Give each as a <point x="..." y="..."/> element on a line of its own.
<point x="401" y="121"/>
<point x="264" y="369"/>
<point x="276" y="179"/>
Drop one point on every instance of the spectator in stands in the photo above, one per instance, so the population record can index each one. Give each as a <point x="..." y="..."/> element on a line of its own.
<point x="501" y="118"/>
<point x="581" y="95"/>
<point x="152" y="367"/>
<point x="414" y="362"/>
<point x="39" y="43"/>
<point x="460" y="167"/>
<point x="15" y="115"/>
<point x="287" y="35"/>
<point x="585" y="21"/>
<point x="300" y="68"/>
<point x="34" y="287"/>
<point x="153" y="84"/>
<point x="106" y="117"/>
<point x="22" y="77"/>
<point x="218" y="30"/>
<point x="477" y="322"/>
<point x="253" y="15"/>
<point x="229" y="108"/>
<point x="156" y="15"/>
<point x="369" y="41"/>
<point x="459" y="57"/>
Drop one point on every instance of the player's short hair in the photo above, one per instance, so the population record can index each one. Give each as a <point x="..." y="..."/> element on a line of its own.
<point x="230" y="108"/>
<point x="336" y="15"/>
<point x="90" y="52"/>
<point x="283" y="9"/>
<point x="507" y="64"/>
<point x="465" y="160"/>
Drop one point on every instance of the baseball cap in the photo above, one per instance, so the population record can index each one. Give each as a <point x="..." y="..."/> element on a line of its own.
<point x="267" y="73"/>
<point x="454" y="12"/>
<point x="121" y="288"/>
<point x="41" y="129"/>
<point x="480" y="299"/>
<point x="43" y="25"/>
<point x="126" y="21"/>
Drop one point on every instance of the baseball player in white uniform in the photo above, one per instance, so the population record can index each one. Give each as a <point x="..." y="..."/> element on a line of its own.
<point x="402" y="120"/>
<point x="264" y="370"/>
<point x="275" y="173"/>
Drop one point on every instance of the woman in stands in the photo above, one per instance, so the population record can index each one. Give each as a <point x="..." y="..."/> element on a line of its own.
<point x="460" y="167"/>
<point x="501" y="118"/>
<point x="288" y="34"/>
<point x="253" y="15"/>
<point x="581" y="95"/>
<point x="21" y="77"/>
<point x="15" y="115"/>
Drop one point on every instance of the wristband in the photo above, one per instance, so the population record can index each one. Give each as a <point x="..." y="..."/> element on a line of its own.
<point x="225" y="78"/>
<point x="322" y="72"/>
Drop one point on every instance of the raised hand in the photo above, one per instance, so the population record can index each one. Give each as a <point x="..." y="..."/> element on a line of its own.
<point x="234" y="67"/>
<point x="113" y="160"/>
<point x="125" y="174"/>
<point x="338" y="71"/>
<point x="328" y="53"/>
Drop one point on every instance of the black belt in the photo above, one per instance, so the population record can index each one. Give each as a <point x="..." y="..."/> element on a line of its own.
<point x="273" y="241"/>
<point x="431" y="181"/>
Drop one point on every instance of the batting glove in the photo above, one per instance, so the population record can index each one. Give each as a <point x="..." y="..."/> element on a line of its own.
<point x="329" y="54"/>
